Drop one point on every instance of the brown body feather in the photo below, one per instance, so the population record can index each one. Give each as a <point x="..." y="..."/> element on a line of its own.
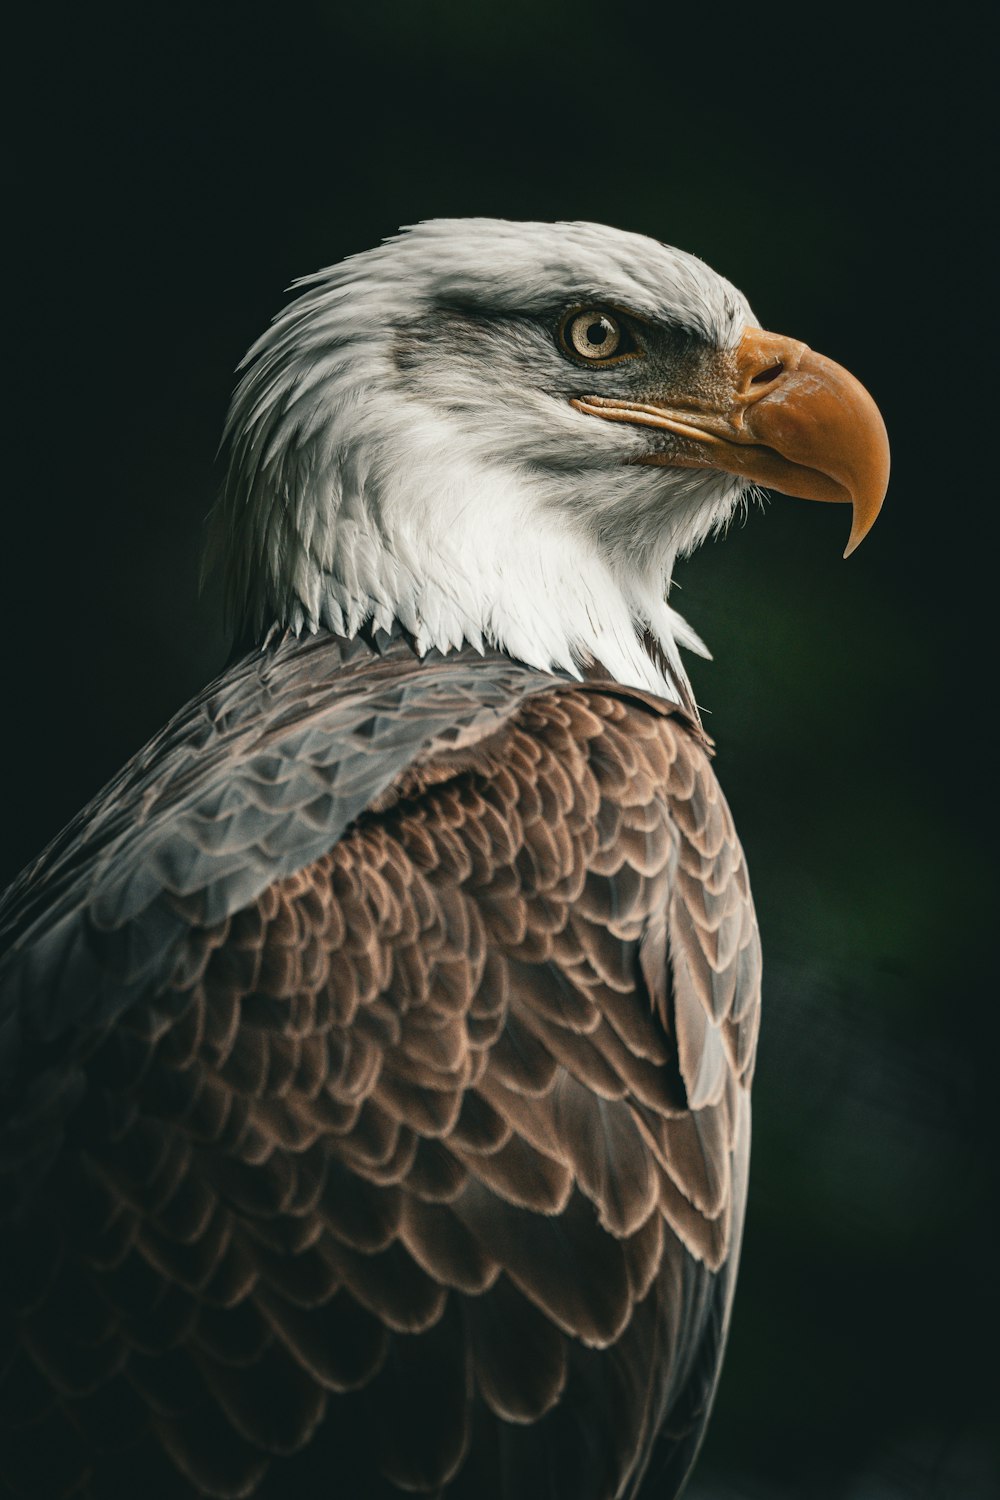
<point x="423" y="1169"/>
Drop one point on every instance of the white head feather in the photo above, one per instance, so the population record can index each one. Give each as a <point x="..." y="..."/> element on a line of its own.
<point x="403" y="449"/>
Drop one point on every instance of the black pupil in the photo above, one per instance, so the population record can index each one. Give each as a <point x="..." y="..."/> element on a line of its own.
<point x="598" y="333"/>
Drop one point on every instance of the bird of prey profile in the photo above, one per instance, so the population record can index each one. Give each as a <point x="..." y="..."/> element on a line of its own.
<point x="375" y="1049"/>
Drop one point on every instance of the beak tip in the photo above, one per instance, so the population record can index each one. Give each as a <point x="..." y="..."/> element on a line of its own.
<point x="857" y="536"/>
<point x="865" y="516"/>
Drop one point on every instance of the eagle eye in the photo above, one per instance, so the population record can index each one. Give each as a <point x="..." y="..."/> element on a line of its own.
<point x="596" y="335"/>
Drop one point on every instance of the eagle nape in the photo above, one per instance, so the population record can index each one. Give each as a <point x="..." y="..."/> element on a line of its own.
<point x="376" y="1048"/>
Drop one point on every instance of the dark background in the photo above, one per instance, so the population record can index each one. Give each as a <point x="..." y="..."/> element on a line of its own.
<point x="179" y="164"/>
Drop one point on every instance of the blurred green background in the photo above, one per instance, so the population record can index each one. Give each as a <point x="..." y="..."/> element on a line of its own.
<point x="178" y="164"/>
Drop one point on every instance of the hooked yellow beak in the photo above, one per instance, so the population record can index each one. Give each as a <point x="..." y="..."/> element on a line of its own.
<point x="783" y="417"/>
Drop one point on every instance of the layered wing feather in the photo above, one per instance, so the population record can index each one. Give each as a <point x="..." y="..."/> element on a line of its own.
<point x="378" y="1052"/>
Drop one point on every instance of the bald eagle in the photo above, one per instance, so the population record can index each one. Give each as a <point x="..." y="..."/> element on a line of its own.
<point x="375" y="1049"/>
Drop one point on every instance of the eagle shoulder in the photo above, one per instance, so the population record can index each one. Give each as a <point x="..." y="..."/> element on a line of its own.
<point x="418" y="1157"/>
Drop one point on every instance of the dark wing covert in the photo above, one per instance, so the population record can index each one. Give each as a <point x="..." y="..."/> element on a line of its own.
<point x="377" y="1050"/>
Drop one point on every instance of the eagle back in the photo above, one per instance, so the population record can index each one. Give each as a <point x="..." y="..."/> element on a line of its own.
<point x="377" y="1055"/>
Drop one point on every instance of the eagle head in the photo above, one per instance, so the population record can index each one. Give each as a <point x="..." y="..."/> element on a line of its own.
<point x="504" y="434"/>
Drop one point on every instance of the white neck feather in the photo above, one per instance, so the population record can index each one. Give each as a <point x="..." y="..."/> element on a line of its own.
<point x="456" y="552"/>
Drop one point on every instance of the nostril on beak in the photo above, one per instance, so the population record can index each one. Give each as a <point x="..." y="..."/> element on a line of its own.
<point x="764" y="377"/>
